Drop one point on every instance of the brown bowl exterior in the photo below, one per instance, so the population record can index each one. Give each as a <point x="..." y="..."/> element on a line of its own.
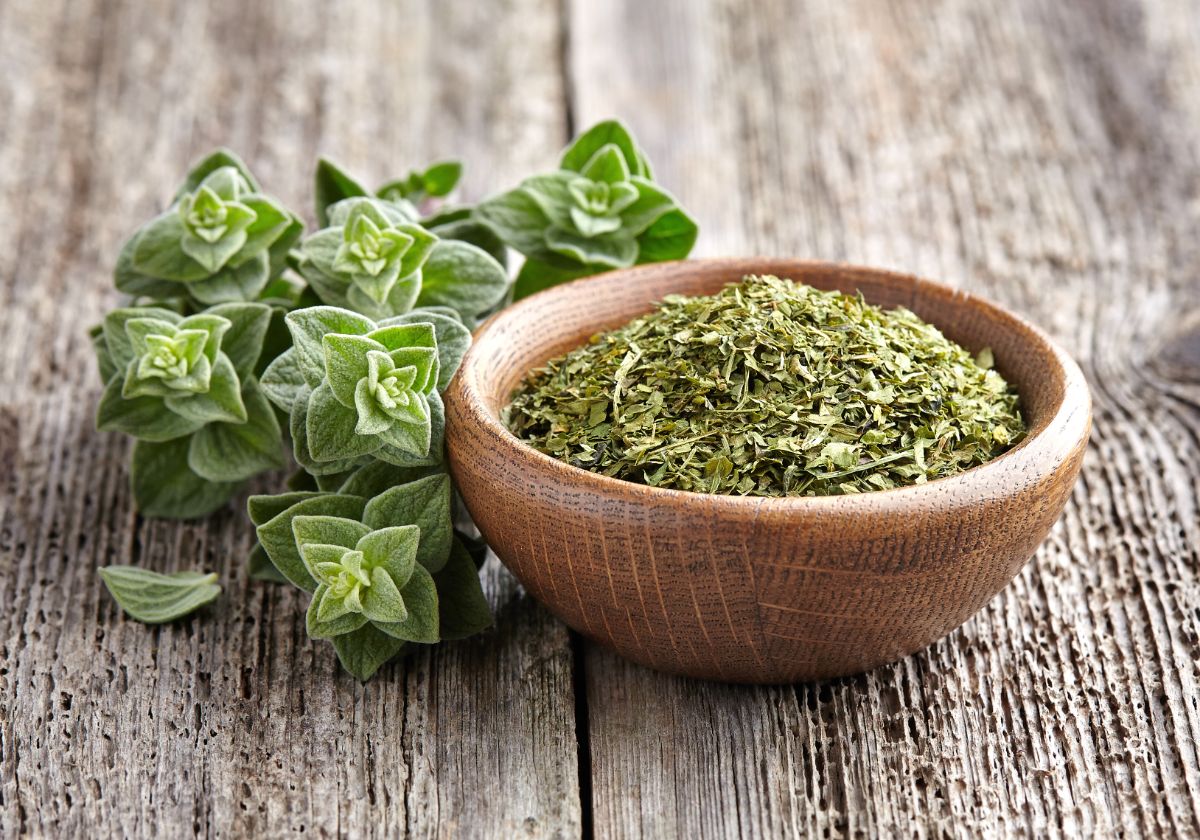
<point x="748" y="589"/>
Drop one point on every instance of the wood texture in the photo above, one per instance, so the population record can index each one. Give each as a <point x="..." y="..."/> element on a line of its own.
<point x="747" y="589"/>
<point x="234" y="723"/>
<point x="1045" y="153"/>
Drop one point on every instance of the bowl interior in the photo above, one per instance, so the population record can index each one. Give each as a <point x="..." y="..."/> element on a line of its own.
<point x="548" y="324"/>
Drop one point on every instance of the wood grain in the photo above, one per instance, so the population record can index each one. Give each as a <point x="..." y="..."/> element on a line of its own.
<point x="1044" y="154"/>
<point x="234" y="723"/>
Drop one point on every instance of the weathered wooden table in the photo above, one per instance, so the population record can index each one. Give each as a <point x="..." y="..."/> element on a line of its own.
<point x="1046" y="154"/>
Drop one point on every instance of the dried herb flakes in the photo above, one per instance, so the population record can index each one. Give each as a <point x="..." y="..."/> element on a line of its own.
<point x="770" y="388"/>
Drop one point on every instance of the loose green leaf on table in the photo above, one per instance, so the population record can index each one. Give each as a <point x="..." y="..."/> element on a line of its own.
<point x="155" y="598"/>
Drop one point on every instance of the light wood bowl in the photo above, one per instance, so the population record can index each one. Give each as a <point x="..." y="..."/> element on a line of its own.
<point x="750" y="589"/>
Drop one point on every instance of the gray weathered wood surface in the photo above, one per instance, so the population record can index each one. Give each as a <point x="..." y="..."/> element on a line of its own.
<point x="1045" y="153"/>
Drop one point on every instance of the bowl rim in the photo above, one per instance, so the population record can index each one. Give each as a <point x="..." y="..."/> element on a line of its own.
<point x="1033" y="451"/>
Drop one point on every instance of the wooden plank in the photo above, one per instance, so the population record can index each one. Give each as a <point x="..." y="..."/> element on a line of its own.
<point x="1043" y="154"/>
<point x="233" y="723"/>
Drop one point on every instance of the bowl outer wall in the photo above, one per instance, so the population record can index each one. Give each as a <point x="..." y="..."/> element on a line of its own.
<point x="748" y="589"/>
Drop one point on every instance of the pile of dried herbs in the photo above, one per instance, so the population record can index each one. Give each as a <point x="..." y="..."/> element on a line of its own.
<point x="770" y="388"/>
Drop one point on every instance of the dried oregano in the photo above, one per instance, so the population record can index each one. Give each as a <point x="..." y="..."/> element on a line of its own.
<point x="770" y="388"/>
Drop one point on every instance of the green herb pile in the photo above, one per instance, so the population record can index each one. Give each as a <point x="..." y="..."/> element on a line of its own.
<point x="244" y="338"/>
<point x="770" y="388"/>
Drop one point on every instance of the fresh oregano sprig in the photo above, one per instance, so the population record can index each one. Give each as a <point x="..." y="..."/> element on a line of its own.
<point x="349" y="335"/>
<point x="220" y="240"/>
<point x="600" y="210"/>
<point x="185" y="388"/>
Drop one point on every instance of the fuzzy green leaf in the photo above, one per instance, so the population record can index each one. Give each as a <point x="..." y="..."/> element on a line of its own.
<point x="263" y="508"/>
<point x="135" y="284"/>
<point x="616" y="250"/>
<point x="517" y="219"/>
<point x="610" y="132"/>
<point x="459" y="223"/>
<point x="393" y="549"/>
<point x="463" y="277"/>
<point x="381" y="601"/>
<point x="414" y="456"/>
<point x="206" y="166"/>
<point x="243" y="343"/>
<point x="332" y="185"/>
<point x="346" y="363"/>
<point x="163" y="485"/>
<point x="116" y="333"/>
<point x="652" y="204"/>
<point x="331" y="431"/>
<point x="365" y="650"/>
<point x="424" y="503"/>
<point x="157" y="252"/>
<point x="607" y="165"/>
<point x="451" y="337"/>
<point x="328" y="530"/>
<point x="326" y="620"/>
<point x="309" y="328"/>
<point x="298" y="426"/>
<point x="233" y="283"/>
<point x="462" y="606"/>
<point x="279" y="541"/>
<point x="270" y="223"/>
<point x="237" y="451"/>
<point x="669" y="238"/>
<point x="421" y="600"/>
<point x="374" y="477"/>
<point x="145" y="418"/>
<point x="221" y="403"/>
<point x="282" y="381"/>
<point x="155" y="598"/>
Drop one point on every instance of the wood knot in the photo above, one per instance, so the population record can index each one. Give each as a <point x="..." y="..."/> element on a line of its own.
<point x="1177" y="358"/>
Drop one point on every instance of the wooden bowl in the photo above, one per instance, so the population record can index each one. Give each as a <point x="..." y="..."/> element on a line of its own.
<point x="750" y="589"/>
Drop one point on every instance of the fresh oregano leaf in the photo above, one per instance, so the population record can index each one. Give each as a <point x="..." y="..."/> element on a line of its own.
<point x="279" y="541"/>
<point x="237" y="451"/>
<point x="283" y="381"/>
<point x="243" y="342"/>
<point x="331" y="185"/>
<point x="607" y="133"/>
<point x="421" y="602"/>
<point x="365" y="650"/>
<point x="155" y="598"/>
<point x="452" y="337"/>
<point x="374" y="477"/>
<point x="309" y="328"/>
<point x="219" y="159"/>
<point x="262" y="509"/>
<point x="463" y="277"/>
<point x="462" y="606"/>
<point x="260" y="567"/>
<point x="164" y="485"/>
<point x="424" y="503"/>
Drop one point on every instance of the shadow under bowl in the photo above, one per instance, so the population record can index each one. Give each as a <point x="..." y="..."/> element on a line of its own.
<point x="752" y="589"/>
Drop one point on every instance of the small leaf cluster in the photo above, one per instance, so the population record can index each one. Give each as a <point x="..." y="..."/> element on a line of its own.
<point x="242" y="333"/>
<point x="185" y="388"/>
<point x="356" y="389"/>
<point x="600" y="210"/>
<point x="377" y="255"/>
<point x="221" y="239"/>
<point x="381" y="560"/>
